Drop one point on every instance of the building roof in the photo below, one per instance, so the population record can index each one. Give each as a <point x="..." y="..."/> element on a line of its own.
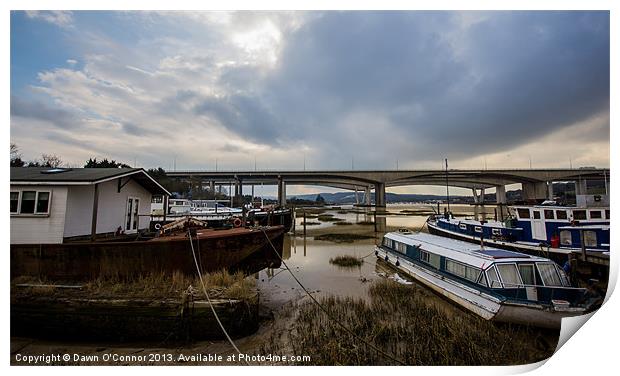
<point x="82" y="176"/>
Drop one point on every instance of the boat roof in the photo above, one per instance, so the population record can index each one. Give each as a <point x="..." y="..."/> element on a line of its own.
<point x="488" y="223"/>
<point x="465" y="252"/>
<point x="588" y="227"/>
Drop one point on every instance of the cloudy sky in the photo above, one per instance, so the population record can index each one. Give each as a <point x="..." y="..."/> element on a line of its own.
<point x="334" y="89"/>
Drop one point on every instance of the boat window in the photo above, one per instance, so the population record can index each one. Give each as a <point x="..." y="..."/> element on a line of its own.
<point x="563" y="277"/>
<point x="482" y="280"/>
<point x="400" y="247"/>
<point x="497" y="231"/>
<point x="596" y="214"/>
<point x="561" y="214"/>
<point x="527" y="274"/>
<point x="387" y="242"/>
<point x="430" y="258"/>
<point x="157" y="199"/>
<point x="579" y="214"/>
<point x="549" y="214"/>
<point x="478" y="229"/>
<point x="523" y="213"/>
<point x="548" y="274"/>
<point x="536" y="214"/>
<point x="607" y="214"/>
<point x="28" y="200"/>
<point x="463" y="226"/>
<point x="509" y="274"/>
<point x="566" y="238"/>
<point x="493" y="278"/>
<point x="589" y="238"/>
<point x="14" y="201"/>
<point x="462" y="270"/>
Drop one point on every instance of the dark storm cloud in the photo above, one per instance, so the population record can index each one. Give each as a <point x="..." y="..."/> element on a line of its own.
<point x="40" y="111"/>
<point x="242" y="114"/>
<point x="498" y="83"/>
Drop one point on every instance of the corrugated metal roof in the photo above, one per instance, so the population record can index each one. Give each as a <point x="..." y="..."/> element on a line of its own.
<point x="43" y="175"/>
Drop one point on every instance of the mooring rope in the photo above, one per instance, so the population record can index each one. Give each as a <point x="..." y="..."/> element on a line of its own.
<point x="329" y="316"/>
<point x="209" y="299"/>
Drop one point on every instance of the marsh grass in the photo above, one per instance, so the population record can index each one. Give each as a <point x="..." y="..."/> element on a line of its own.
<point x="219" y="284"/>
<point x="346" y="261"/>
<point x="402" y="321"/>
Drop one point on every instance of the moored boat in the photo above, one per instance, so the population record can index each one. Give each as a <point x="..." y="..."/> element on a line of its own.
<point x="495" y="284"/>
<point x="555" y="231"/>
<point x="85" y="260"/>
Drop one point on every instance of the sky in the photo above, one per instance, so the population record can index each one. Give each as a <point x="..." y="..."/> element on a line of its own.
<point x="320" y="90"/>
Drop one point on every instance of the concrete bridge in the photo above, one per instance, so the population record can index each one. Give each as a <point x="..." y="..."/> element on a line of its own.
<point x="536" y="183"/>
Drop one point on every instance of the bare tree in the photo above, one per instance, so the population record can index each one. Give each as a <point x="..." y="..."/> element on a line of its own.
<point x="51" y="160"/>
<point x="16" y="156"/>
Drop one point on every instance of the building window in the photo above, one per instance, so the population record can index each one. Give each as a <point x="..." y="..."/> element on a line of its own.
<point x="579" y="214"/>
<point x="561" y="214"/>
<point x="523" y="213"/>
<point x="28" y="200"/>
<point x="14" y="202"/>
<point x="596" y="214"/>
<point x="549" y="214"/>
<point x="43" y="202"/>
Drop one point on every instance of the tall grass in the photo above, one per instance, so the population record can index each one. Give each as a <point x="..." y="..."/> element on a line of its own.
<point x="400" y="320"/>
<point x="153" y="286"/>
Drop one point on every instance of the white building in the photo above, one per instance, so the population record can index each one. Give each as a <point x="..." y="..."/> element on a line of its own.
<point x="52" y="205"/>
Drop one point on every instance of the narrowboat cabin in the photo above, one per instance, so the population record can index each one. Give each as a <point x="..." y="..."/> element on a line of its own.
<point x="555" y="230"/>
<point x="495" y="284"/>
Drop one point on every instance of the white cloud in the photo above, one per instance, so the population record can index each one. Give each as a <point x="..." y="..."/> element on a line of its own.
<point x="62" y="18"/>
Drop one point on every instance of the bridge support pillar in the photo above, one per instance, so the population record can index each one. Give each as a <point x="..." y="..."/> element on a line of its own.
<point x="534" y="191"/>
<point x="549" y="190"/>
<point x="238" y="198"/>
<point x="500" y="194"/>
<point x="212" y="187"/>
<point x="281" y="192"/>
<point x="380" y="194"/>
<point x="367" y="198"/>
<point x="581" y="187"/>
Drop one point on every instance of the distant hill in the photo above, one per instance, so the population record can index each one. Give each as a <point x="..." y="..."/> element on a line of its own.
<point x="349" y="197"/>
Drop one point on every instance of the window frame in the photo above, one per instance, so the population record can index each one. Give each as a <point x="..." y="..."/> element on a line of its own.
<point x="35" y="213"/>
<point x="19" y="196"/>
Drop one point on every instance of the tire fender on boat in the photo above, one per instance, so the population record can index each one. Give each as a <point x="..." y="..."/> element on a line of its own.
<point x="237" y="222"/>
<point x="397" y="263"/>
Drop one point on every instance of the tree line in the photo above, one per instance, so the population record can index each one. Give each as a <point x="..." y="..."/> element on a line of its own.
<point x="183" y="188"/>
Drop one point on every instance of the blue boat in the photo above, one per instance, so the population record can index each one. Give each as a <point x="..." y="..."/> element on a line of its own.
<point x="493" y="283"/>
<point x="557" y="231"/>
